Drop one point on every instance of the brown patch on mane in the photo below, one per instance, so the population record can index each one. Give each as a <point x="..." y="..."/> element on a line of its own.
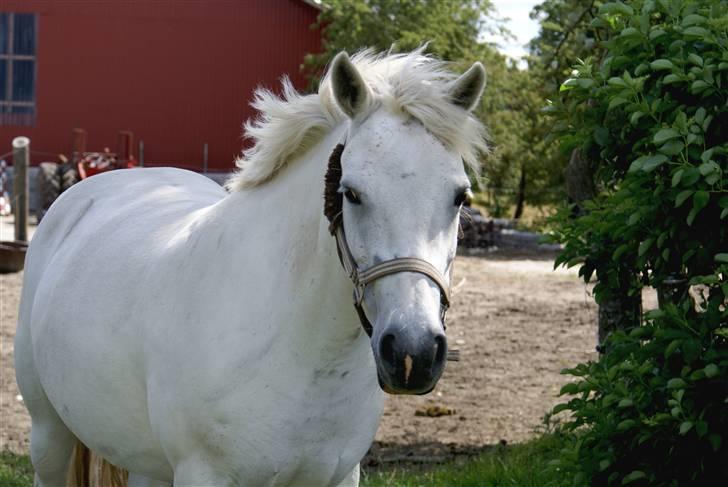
<point x="333" y="200"/>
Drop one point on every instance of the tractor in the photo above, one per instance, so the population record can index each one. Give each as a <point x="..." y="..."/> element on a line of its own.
<point x="56" y="177"/>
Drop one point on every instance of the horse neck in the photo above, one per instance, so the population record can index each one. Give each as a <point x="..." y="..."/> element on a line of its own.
<point x="303" y="249"/>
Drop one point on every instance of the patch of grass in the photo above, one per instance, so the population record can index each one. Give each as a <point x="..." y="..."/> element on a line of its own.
<point x="522" y="465"/>
<point x="15" y="470"/>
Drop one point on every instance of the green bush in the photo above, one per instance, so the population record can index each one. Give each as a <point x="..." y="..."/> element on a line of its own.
<point x="652" y="112"/>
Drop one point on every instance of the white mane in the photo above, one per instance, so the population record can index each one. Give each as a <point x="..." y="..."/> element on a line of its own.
<point x="410" y="83"/>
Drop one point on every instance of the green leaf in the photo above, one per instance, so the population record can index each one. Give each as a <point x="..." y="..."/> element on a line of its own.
<point x="671" y="78"/>
<point x="601" y="136"/>
<point x="620" y="251"/>
<point x="690" y="176"/>
<point x="722" y="258"/>
<point x="585" y="83"/>
<point x="693" y="19"/>
<point x="659" y="64"/>
<point x="626" y="424"/>
<point x="653" y="162"/>
<point x="696" y="31"/>
<point x="617" y="81"/>
<point x="715" y="441"/>
<point x="712" y="179"/>
<point x="604" y="464"/>
<point x="676" y="177"/>
<point x="700" y="199"/>
<point x="698" y="85"/>
<point x="682" y="196"/>
<point x="707" y="168"/>
<point x="560" y="407"/>
<point x="568" y="84"/>
<point x="656" y="33"/>
<point x="685" y="426"/>
<point x="664" y="135"/>
<point x="616" y="101"/>
<point x="645" y="246"/>
<point x="701" y="427"/>
<point x="695" y="59"/>
<point x="632" y="476"/>
<point x="712" y="370"/>
<point x="672" y="147"/>
<point x="625" y="403"/>
<point x="706" y="155"/>
<point x="700" y="116"/>
<point x="672" y="347"/>
<point x="616" y="8"/>
<point x="635" y="117"/>
<point x="637" y="164"/>
<point x="676" y="383"/>
<point x="724" y="213"/>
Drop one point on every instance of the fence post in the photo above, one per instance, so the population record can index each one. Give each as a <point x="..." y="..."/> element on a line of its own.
<point x="21" y="161"/>
<point x="141" y="153"/>
<point x="204" y="159"/>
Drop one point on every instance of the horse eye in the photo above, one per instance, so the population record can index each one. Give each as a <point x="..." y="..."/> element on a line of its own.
<point x="352" y="197"/>
<point x="463" y="197"/>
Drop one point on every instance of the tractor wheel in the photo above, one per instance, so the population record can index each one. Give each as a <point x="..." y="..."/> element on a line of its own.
<point x="69" y="176"/>
<point x="49" y="186"/>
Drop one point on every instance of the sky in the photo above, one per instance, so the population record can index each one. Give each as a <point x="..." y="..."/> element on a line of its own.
<point x="519" y="24"/>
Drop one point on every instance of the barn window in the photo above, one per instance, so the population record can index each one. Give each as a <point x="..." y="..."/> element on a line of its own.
<point x="18" y="34"/>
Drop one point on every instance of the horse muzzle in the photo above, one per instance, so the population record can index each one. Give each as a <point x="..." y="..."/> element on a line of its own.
<point x="410" y="361"/>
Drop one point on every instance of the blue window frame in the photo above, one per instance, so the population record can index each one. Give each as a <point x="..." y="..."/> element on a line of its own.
<point x="18" y="38"/>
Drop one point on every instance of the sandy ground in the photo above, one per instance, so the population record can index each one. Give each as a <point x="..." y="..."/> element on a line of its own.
<point x="516" y="322"/>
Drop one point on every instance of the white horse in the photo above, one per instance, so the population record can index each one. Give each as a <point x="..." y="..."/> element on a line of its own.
<point x="201" y="337"/>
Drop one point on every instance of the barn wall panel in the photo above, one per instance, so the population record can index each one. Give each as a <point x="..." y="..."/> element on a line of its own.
<point x="176" y="73"/>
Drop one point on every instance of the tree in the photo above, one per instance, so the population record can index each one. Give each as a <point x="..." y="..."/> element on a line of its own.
<point x="651" y="111"/>
<point x="454" y="30"/>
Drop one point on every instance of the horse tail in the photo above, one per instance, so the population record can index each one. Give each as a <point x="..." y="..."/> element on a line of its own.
<point x="90" y="470"/>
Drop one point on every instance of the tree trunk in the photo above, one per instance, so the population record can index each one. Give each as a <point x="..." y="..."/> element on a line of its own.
<point x="618" y="313"/>
<point x="620" y="310"/>
<point x="521" y="194"/>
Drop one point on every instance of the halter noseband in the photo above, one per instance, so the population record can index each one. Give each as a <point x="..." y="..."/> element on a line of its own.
<point x="361" y="278"/>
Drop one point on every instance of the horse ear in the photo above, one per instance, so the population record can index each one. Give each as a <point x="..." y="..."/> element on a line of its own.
<point x="467" y="89"/>
<point x="350" y="89"/>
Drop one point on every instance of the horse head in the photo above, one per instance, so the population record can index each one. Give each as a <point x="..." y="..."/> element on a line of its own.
<point x="396" y="186"/>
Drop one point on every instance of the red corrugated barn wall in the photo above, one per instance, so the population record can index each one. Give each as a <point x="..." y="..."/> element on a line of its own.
<point x="178" y="74"/>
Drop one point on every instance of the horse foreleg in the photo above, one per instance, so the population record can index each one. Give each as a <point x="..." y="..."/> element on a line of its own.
<point x="139" y="481"/>
<point x="195" y="473"/>
<point x="351" y="480"/>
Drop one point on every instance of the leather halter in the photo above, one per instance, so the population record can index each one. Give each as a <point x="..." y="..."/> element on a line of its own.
<point x="393" y="266"/>
<point x="361" y="278"/>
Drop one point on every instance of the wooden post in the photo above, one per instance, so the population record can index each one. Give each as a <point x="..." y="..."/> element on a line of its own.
<point x="204" y="159"/>
<point x="21" y="161"/>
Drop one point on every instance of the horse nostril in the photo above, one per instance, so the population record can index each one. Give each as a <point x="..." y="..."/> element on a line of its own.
<point x="440" y="349"/>
<point x="386" y="348"/>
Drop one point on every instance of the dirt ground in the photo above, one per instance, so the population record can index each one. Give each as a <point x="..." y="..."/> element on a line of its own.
<point x="516" y="322"/>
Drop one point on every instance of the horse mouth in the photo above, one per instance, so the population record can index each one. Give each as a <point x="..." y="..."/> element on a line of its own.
<point x="411" y="390"/>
